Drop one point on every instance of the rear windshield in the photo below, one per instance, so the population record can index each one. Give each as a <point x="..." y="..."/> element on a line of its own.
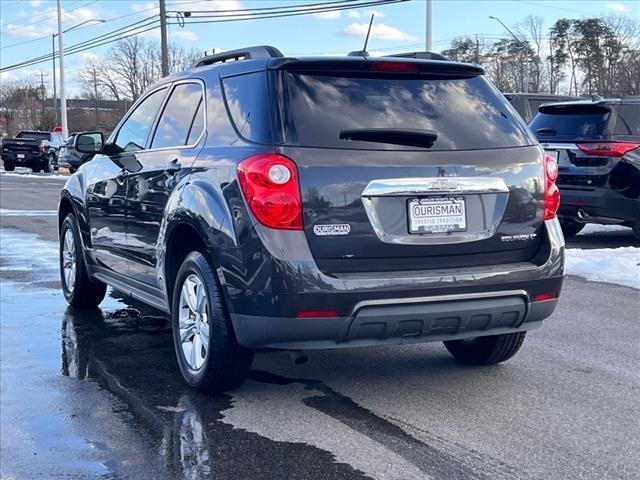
<point x="34" y="135"/>
<point x="572" y="121"/>
<point x="628" y="121"/>
<point x="466" y="113"/>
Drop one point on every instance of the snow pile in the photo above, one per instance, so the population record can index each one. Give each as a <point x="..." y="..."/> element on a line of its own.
<point x="33" y="175"/>
<point x="611" y="265"/>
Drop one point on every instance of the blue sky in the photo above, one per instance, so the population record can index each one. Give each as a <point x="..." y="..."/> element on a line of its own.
<point x="399" y="27"/>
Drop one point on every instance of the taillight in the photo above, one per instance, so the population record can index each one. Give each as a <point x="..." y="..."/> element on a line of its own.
<point x="551" y="191"/>
<point x="394" y="67"/>
<point x="607" y="149"/>
<point x="41" y="148"/>
<point x="269" y="183"/>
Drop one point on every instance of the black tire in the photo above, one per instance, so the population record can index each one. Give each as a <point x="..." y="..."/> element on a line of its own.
<point x="50" y="166"/>
<point x="570" y="228"/>
<point x="9" y="167"/>
<point x="226" y="363"/>
<point x="486" y="350"/>
<point x="85" y="293"/>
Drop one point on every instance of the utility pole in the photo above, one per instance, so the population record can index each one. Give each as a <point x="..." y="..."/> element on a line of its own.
<point x="163" y="38"/>
<point x="63" y="96"/>
<point x="429" y="23"/>
<point x="55" y="94"/>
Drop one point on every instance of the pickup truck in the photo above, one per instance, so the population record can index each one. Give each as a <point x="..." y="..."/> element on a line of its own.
<point x="34" y="149"/>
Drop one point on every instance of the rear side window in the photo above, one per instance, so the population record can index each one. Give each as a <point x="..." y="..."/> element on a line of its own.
<point x="628" y="121"/>
<point x="178" y="117"/>
<point x="248" y="104"/>
<point x="466" y="113"/>
<point x="575" y="121"/>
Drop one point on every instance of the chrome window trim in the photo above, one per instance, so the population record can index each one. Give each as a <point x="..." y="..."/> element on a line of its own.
<point x="430" y="185"/>
<point x="442" y="298"/>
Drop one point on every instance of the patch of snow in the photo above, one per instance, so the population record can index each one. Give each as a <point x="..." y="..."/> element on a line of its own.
<point x="596" y="228"/>
<point x="26" y="251"/>
<point x="27" y="173"/>
<point x="610" y="265"/>
<point x="4" y="212"/>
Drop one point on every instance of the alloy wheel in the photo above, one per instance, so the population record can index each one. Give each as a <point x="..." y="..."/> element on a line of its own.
<point x="69" y="259"/>
<point x="194" y="322"/>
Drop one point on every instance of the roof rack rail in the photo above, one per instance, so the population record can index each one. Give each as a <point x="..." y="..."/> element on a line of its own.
<point x="263" y="51"/>
<point x="421" y="55"/>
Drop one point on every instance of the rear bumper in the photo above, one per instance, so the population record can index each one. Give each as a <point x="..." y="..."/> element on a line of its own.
<point x="384" y="308"/>
<point x="598" y="202"/>
<point x="397" y="323"/>
<point x="28" y="160"/>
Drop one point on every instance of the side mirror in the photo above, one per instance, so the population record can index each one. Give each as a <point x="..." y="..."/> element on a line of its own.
<point x="89" y="142"/>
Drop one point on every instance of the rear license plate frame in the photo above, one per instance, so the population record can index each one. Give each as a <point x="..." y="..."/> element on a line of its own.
<point x="441" y="223"/>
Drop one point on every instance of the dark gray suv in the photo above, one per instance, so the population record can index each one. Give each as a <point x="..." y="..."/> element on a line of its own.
<point x="265" y="201"/>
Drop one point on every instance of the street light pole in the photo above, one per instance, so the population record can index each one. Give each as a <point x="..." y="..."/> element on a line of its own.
<point x="55" y="94"/>
<point x="526" y="47"/>
<point x="429" y="26"/>
<point x="63" y="95"/>
<point x="63" y="98"/>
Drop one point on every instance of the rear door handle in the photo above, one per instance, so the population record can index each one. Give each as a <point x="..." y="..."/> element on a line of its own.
<point x="173" y="167"/>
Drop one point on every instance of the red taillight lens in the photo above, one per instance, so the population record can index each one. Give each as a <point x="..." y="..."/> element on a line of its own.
<point x="607" y="149"/>
<point x="551" y="191"/>
<point x="269" y="183"/>
<point x="395" y="67"/>
<point x="543" y="297"/>
<point x="41" y="147"/>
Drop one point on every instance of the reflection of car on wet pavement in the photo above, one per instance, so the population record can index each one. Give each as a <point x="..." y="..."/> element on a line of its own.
<point x="341" y="223"/>
<point x="597" y="144"/>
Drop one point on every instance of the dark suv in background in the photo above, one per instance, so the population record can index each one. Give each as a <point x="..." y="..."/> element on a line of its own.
<point x="33" y="149"/>
<point x="266" y="201"/>
<point x="526" y="104"/>
<point x="597" y="146"/>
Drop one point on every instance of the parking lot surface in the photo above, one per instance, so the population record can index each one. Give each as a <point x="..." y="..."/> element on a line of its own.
<point x="99" y="394"/>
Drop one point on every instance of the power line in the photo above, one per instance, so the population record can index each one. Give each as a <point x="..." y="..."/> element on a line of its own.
<point x="118" y="34"/>
<point x="45" y="14"/>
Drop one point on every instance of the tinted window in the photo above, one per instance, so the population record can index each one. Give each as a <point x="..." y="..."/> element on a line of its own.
<point x="247" y="100"/>
<point x="219" y="129"/>
<point x="197" y="126"/>
<point x="628" y="121"/>
<point x="135" y="129"/>
<point x="34" y="135"/>
<point x="178" y="116"/>
<point x="466" y="113"/>
<point x="575" y="121"/>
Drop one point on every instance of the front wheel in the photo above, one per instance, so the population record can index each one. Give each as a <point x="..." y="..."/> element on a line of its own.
<point x="51" y="163"/>
<point x="209" y="356"/>
<point x="9" y="167"/>
<point x="486" y="350"/>
<point x="79" y="290"/>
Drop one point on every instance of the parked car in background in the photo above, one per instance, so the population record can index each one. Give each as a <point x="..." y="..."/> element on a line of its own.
<point x="266" y="201"/>
<point x="597" y="146"/>
<point x="33" y="149"/>
<point x="70" y="157"/>
<point x="526" y="104"/>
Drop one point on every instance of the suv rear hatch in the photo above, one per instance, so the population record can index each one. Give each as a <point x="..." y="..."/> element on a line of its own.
<point x="589" y="140"/>
<point x="24" y="144"/>
<point x="407" y="165"/>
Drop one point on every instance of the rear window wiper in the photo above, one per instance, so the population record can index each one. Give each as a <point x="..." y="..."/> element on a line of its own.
<point x="546" y="131"/>
<point x="412" y="138"/>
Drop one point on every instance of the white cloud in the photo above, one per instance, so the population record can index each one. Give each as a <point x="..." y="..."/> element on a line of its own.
<point x="328" y="15"/>
<point x="379" y="31"/>
<point x="88" y="56"/>
<point x="184" y="35"/>
<point x="617" y="6"/>
<point x="35" y="3"/>
<point x="365" y="13"/>
<point x="354" y="13"/>
<point x="49" y="22"/>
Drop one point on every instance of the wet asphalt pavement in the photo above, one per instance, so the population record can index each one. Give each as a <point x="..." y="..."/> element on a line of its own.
<point x="98" y="394"/>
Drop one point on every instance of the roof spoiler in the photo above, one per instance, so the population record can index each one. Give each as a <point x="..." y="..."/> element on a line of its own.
<point x="249" y="53"/>
<point x="420" y="55"/>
